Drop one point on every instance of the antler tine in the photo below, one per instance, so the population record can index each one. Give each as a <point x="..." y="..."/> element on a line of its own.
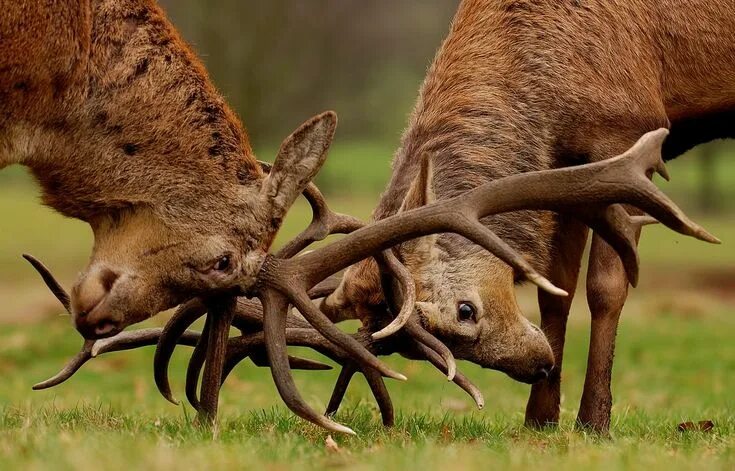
<point x="393" y="270"/>
<point x="221" y="313"/>
<point x="382" y="396"/>
<point x="621" y="179"/>
<point x="184" y="317"/>
<point x="422" y="336"/>
<point x="194" y="368"/>
<point x="69" y="369"/>
<point x="390" y="262"/>
<point x="326" y="287"/>
<point x="459" y="379"/>
<point x="275" y="307"/>
<point x="242" y="347"/>
<point x="340" y="388"/>
<point x="50" y="281"/>
<point x="322" y="323"/>
<point x="133" y="339"/>
<point x="615" y="226"/>
<point x="260" y="358"/>
<point x="324" y="221"/>
<point x="247" y="346"/>
<point x="123" y="341"/>
<point x="630" y="174"/>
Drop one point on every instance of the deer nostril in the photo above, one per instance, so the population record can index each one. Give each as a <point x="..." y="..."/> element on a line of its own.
<point x="105" y="328"/>
<point x="108" y="278"/>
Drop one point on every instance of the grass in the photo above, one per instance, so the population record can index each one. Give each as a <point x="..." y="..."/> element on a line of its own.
<point x="670" y="368"/>
<point x="675" y="362"/>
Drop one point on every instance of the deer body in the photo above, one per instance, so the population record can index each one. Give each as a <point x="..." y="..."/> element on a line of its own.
<point x="534" y="85"/>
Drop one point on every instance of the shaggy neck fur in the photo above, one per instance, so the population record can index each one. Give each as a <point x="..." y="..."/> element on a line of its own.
<point x="523" y="85"/>
<point x="117" y="113"/>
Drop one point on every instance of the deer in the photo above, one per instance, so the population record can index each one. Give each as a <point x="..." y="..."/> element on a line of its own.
<point x="521" y="86"/>
<point x="121" y="126"/>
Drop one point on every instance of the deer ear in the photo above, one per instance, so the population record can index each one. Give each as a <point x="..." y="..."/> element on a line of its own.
<point x="301" y="156"/>
<point x="421" y="191"/>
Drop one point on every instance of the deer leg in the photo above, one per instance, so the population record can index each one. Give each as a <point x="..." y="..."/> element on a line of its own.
<point x="569" y="241"/>
<point x="607" y="290"/>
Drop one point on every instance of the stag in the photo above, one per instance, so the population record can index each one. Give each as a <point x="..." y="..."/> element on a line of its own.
<point x="123" y="129"/>
<point x="524" y="86"/>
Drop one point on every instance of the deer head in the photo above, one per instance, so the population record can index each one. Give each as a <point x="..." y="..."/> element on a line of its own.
<point x="464" y="295"/>
<point x="154" y="255"/>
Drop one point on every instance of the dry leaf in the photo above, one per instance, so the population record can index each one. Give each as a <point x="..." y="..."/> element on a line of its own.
<point x="701" y="426"/>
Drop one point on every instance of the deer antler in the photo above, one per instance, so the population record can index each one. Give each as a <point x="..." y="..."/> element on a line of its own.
<point x="592" y="192"/>
<point x="186" y="315"/>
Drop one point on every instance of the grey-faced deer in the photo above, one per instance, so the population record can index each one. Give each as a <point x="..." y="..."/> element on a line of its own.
<point x="523" y="85"/>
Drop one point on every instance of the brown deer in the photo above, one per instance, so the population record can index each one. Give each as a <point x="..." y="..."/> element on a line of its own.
<point x="123" y="129"/>
<point x="121" y="126"/>
<point x="525" y="85"/>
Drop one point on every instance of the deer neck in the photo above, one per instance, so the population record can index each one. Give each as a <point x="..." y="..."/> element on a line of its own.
<point x="145" y="126"/>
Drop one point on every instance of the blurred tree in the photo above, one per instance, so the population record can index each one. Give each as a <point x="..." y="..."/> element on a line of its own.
<point x="280" y="61"/>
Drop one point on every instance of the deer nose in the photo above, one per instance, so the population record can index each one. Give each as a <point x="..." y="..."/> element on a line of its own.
<point x="88" y="295"/>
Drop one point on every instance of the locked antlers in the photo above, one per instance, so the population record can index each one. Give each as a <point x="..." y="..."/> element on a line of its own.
<point x="593" y="193"/>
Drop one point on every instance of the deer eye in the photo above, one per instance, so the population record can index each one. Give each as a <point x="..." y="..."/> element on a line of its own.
<point x="222" y="264"/>
<point x="466" y="312"/>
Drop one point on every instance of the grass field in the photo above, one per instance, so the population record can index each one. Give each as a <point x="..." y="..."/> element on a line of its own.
<point x="675" y="362"/>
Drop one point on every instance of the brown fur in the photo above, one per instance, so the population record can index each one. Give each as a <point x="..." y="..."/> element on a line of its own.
<point x="122" y="127"/>
<point x="523" y="85"/>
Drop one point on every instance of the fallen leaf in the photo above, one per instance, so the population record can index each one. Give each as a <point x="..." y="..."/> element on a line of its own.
<point x="701" y="426"/>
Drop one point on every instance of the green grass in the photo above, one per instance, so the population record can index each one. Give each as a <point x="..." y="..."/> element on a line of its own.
<point x="674" y="363"/>
<point x="670" y="368"/>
